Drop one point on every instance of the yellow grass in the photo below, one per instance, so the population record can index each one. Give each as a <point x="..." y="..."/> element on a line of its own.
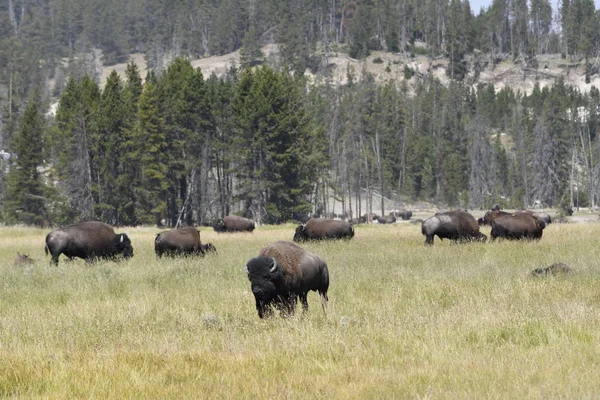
<point x="404" y="321"/>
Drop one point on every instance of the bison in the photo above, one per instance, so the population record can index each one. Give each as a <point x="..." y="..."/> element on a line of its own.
<point x="183" y="242"/>
<point x="455" y="225"/>
<point x="540" y="216"/>
<point x="233" y="223"/>
<point x="88" y="240"/>
<point x="282" y="272"/>
<point x="404" y="214"/>
<point x="517" y="226"/>
<point x="490" y="216"/>
<point x="318" y="228"/>
<point x="387" y="219"/>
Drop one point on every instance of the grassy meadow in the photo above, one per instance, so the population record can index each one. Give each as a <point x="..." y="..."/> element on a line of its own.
<point x="404" y="321"/>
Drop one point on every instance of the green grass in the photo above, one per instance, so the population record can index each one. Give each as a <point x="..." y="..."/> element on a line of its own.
<point x="404" y="321"/>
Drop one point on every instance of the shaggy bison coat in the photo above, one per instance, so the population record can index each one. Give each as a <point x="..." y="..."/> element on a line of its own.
<point x="517" y="226"/>
<point x="88" y="240"/>
<point x="404" y="214"/>
<point x="233" y="223"/>
<point x="387" y="219"/>
<point x="455" y="225"/>
<point x="281" y="273"/>
<point x="178" y="242"/>
<point x="318" y="228"/>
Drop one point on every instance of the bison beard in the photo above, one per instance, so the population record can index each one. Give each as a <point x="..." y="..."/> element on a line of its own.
<point x="283" y="272"/>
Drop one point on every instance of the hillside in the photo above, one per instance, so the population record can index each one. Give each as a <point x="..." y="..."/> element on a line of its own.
<point x="385" y="66"/>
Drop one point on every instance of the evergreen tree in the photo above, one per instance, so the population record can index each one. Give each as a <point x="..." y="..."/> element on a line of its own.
<point x="456" y="38"/>
<point x="250" y="53"/>
<point x="26" y="194"/>
<point x="151" y="150"/>
<point x="278" y="146"/>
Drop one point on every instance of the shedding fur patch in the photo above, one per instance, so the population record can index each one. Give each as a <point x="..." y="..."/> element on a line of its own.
<point x="444" y="219"/>
<point x="431" y="224"/>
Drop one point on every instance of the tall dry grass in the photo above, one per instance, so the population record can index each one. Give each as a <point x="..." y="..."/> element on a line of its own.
<point x="404" y="321"/>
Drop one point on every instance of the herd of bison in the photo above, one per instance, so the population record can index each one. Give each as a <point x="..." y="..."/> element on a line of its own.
<point x="284" y="272"/>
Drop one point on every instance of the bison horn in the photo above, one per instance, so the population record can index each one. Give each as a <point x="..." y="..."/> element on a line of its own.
<point x="274" y="267"/>
<point x="121" y="238"/>
<point x="246" y="268"/>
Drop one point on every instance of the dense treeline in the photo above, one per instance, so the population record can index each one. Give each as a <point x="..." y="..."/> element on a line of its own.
<point x="180" y="146"/>
<point x="274" y="147"/>
<point x="36" y="37"/>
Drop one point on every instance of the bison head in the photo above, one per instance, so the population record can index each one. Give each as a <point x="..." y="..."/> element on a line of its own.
<point x="209" y="247"/>
<point x="219" y="226"/>
<point x="300" y="234"/>
<point x="265" y="276"/>
<point x="124" y="245"/>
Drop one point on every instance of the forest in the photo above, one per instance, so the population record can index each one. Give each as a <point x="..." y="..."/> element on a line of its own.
<point x="264" y="141"/>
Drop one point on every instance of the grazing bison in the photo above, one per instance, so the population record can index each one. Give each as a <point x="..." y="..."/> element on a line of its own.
<point x="233" y="223"/>
<point x="517" y="226"/>
<point x="387" y="219"/>
<point x="23" y="259"/>
<point x="282" y="272"/>
<point x="540" y="216"/>
<point x="318" y="228"/>
<point x="368" y="218"/>
<point x="455" y="225"/>
<point x="554" y="269"/>
<point x="490" y="216"/>
<point x="88" y="240"/>
<point x="178" y="242"/>
<point x="404" y="214"/>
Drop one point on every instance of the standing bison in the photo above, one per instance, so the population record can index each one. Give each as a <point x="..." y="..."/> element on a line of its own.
<point x="183" y="242"/>
<point x="233" y="223"/>
<point x="517" y="226"/>
<point x="282" y="272"/>
<point x="404" y="214"/>
<point x="318" y="228"/>
<point x="88" y="240"/>
<point x="455" y="225"/>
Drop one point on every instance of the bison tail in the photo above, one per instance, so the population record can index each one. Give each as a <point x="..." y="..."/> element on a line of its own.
<point x="46" y="249"/>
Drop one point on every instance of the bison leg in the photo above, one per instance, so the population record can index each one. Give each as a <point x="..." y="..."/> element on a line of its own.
<point x="54" y="260"/>
<point x="324" y="299"/>
<point x="429" y="240"/>
<point x="304" y="300"/>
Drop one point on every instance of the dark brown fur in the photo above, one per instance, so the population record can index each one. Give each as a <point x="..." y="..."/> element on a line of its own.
<point x="293" y="273"/>
<point x="457" y="225"/>
<point x="234" y="223"/>
<point x="517" y="226"/>
<point x="319" y="228"/>
<point x="88" y="240"/>
<point x="178" y="242"/>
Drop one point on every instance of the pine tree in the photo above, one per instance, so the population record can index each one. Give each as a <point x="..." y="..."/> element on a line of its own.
<point x="456" y="38"/>
<point x="250" y="53"/>
<point x="26" y="194"/>
<point x="279" y="148"/>
<point x="150" y="143"/>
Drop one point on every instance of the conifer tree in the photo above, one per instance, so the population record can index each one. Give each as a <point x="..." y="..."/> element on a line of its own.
<point x="150" y="144"/>
<point x="26" y="193"/>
